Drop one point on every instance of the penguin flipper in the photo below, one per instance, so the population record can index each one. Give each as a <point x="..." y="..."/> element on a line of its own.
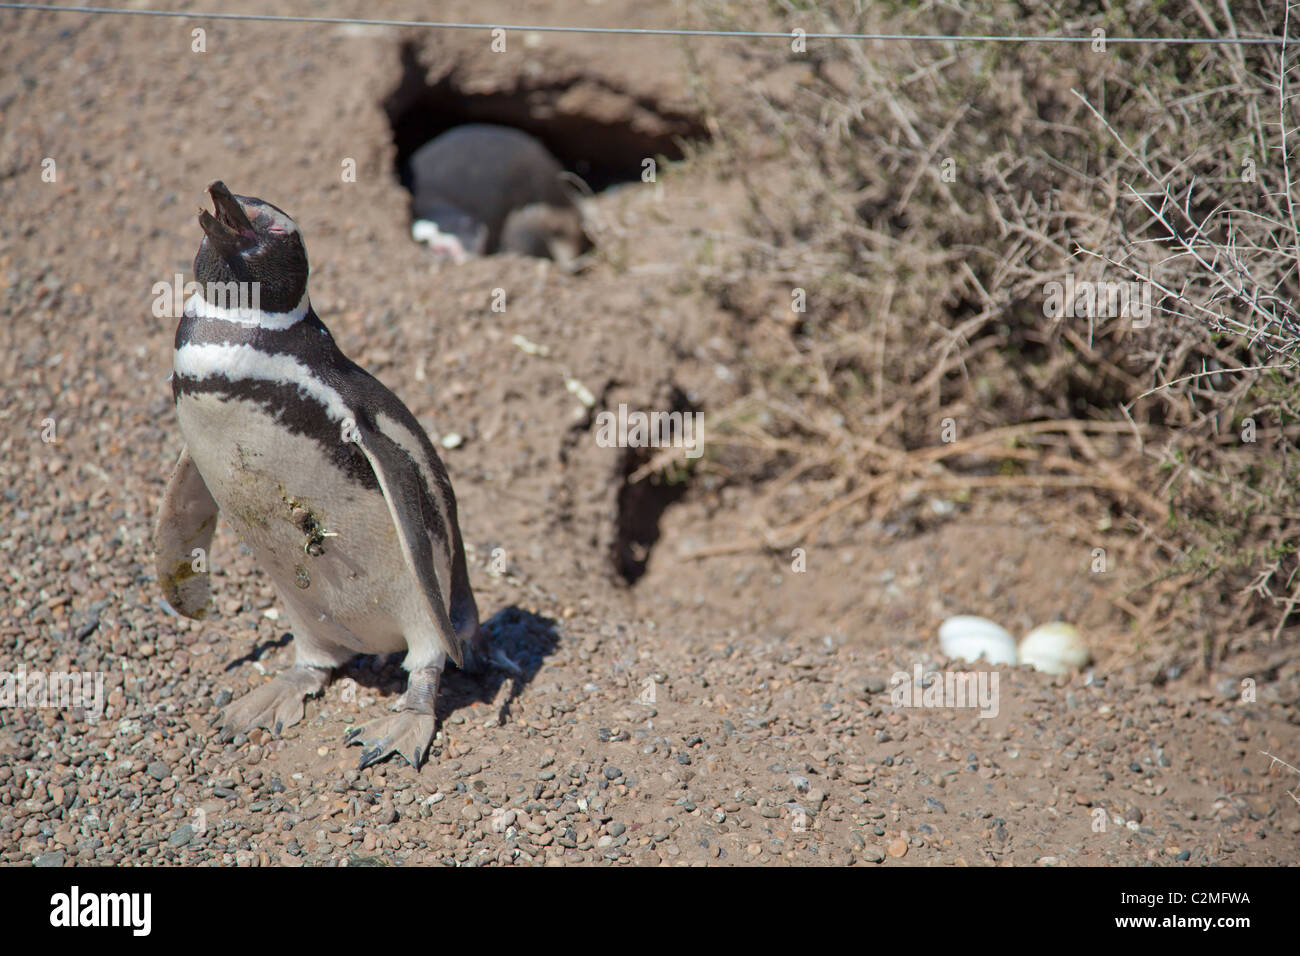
<point x="186" y="522"/>
<point x="426" y="557"/>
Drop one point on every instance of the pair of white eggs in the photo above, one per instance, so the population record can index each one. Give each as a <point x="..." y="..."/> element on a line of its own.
<point x="1055" y="648"/>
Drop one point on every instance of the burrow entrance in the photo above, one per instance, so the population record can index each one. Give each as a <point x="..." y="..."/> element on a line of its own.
<point x="641" y="503"/>
<point x="570" y="115"/>
<point x="601" y="132"/>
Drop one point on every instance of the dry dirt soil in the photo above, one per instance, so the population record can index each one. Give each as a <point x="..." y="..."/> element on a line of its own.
<point x="771" y="738"/>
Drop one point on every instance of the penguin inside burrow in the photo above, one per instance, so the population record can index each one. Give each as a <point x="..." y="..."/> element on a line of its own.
<point x="480" y="189"/>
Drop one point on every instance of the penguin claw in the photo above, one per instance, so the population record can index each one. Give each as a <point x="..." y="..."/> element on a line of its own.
<point x="407" y="733"/>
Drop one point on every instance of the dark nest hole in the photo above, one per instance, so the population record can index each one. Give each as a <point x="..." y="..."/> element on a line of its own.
<point x="603" y="152"/>
<point x="641" y="505"/>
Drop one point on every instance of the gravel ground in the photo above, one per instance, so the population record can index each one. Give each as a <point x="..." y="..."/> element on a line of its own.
<point x="720" y="711"/>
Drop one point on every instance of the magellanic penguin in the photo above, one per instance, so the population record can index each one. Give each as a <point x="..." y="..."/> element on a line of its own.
<point x="325" y="476"/>
<point x="480" y="189"/>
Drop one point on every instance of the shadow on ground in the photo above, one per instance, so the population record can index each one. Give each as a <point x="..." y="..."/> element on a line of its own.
<point x="284" y="640"/>
<point x="525" y="638"/>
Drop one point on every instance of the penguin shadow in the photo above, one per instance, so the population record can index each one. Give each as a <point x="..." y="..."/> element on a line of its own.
<point x="525" y="638"/>
<point x="259" y="650"/>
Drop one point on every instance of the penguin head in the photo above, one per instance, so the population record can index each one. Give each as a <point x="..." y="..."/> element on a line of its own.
<point x="546" y="232"/>
<point x="450" y="233"/>
<point x="249" y="240"/>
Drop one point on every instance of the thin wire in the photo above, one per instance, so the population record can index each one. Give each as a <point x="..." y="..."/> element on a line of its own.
<point x="649" y="31"/>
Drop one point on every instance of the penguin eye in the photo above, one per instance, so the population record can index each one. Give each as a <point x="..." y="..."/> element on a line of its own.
<point x="277" y="229"/>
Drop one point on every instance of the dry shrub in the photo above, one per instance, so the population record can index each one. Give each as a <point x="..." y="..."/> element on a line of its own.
<point x="925" y="195"/>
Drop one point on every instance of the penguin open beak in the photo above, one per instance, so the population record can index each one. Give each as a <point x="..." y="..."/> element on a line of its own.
<point x="229" y="230"/>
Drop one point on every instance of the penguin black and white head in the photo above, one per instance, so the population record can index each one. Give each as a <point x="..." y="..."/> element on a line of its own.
<point x="323" y="473"/>
<point x="450" y="233"/>
<point x="248" y="241"/>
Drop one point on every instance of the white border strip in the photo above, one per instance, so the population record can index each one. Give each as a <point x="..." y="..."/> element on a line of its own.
<point x="199" y="307"/>
<point x="235" y="362"/>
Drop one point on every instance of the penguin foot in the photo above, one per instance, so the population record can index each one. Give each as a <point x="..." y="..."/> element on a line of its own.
<point x="275" y="706"/>
<point x="407" y="732"/>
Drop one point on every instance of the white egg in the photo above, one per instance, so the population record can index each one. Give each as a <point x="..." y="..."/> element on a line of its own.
<point x="968" y="638"/>
<point x="1055" y="648"/>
